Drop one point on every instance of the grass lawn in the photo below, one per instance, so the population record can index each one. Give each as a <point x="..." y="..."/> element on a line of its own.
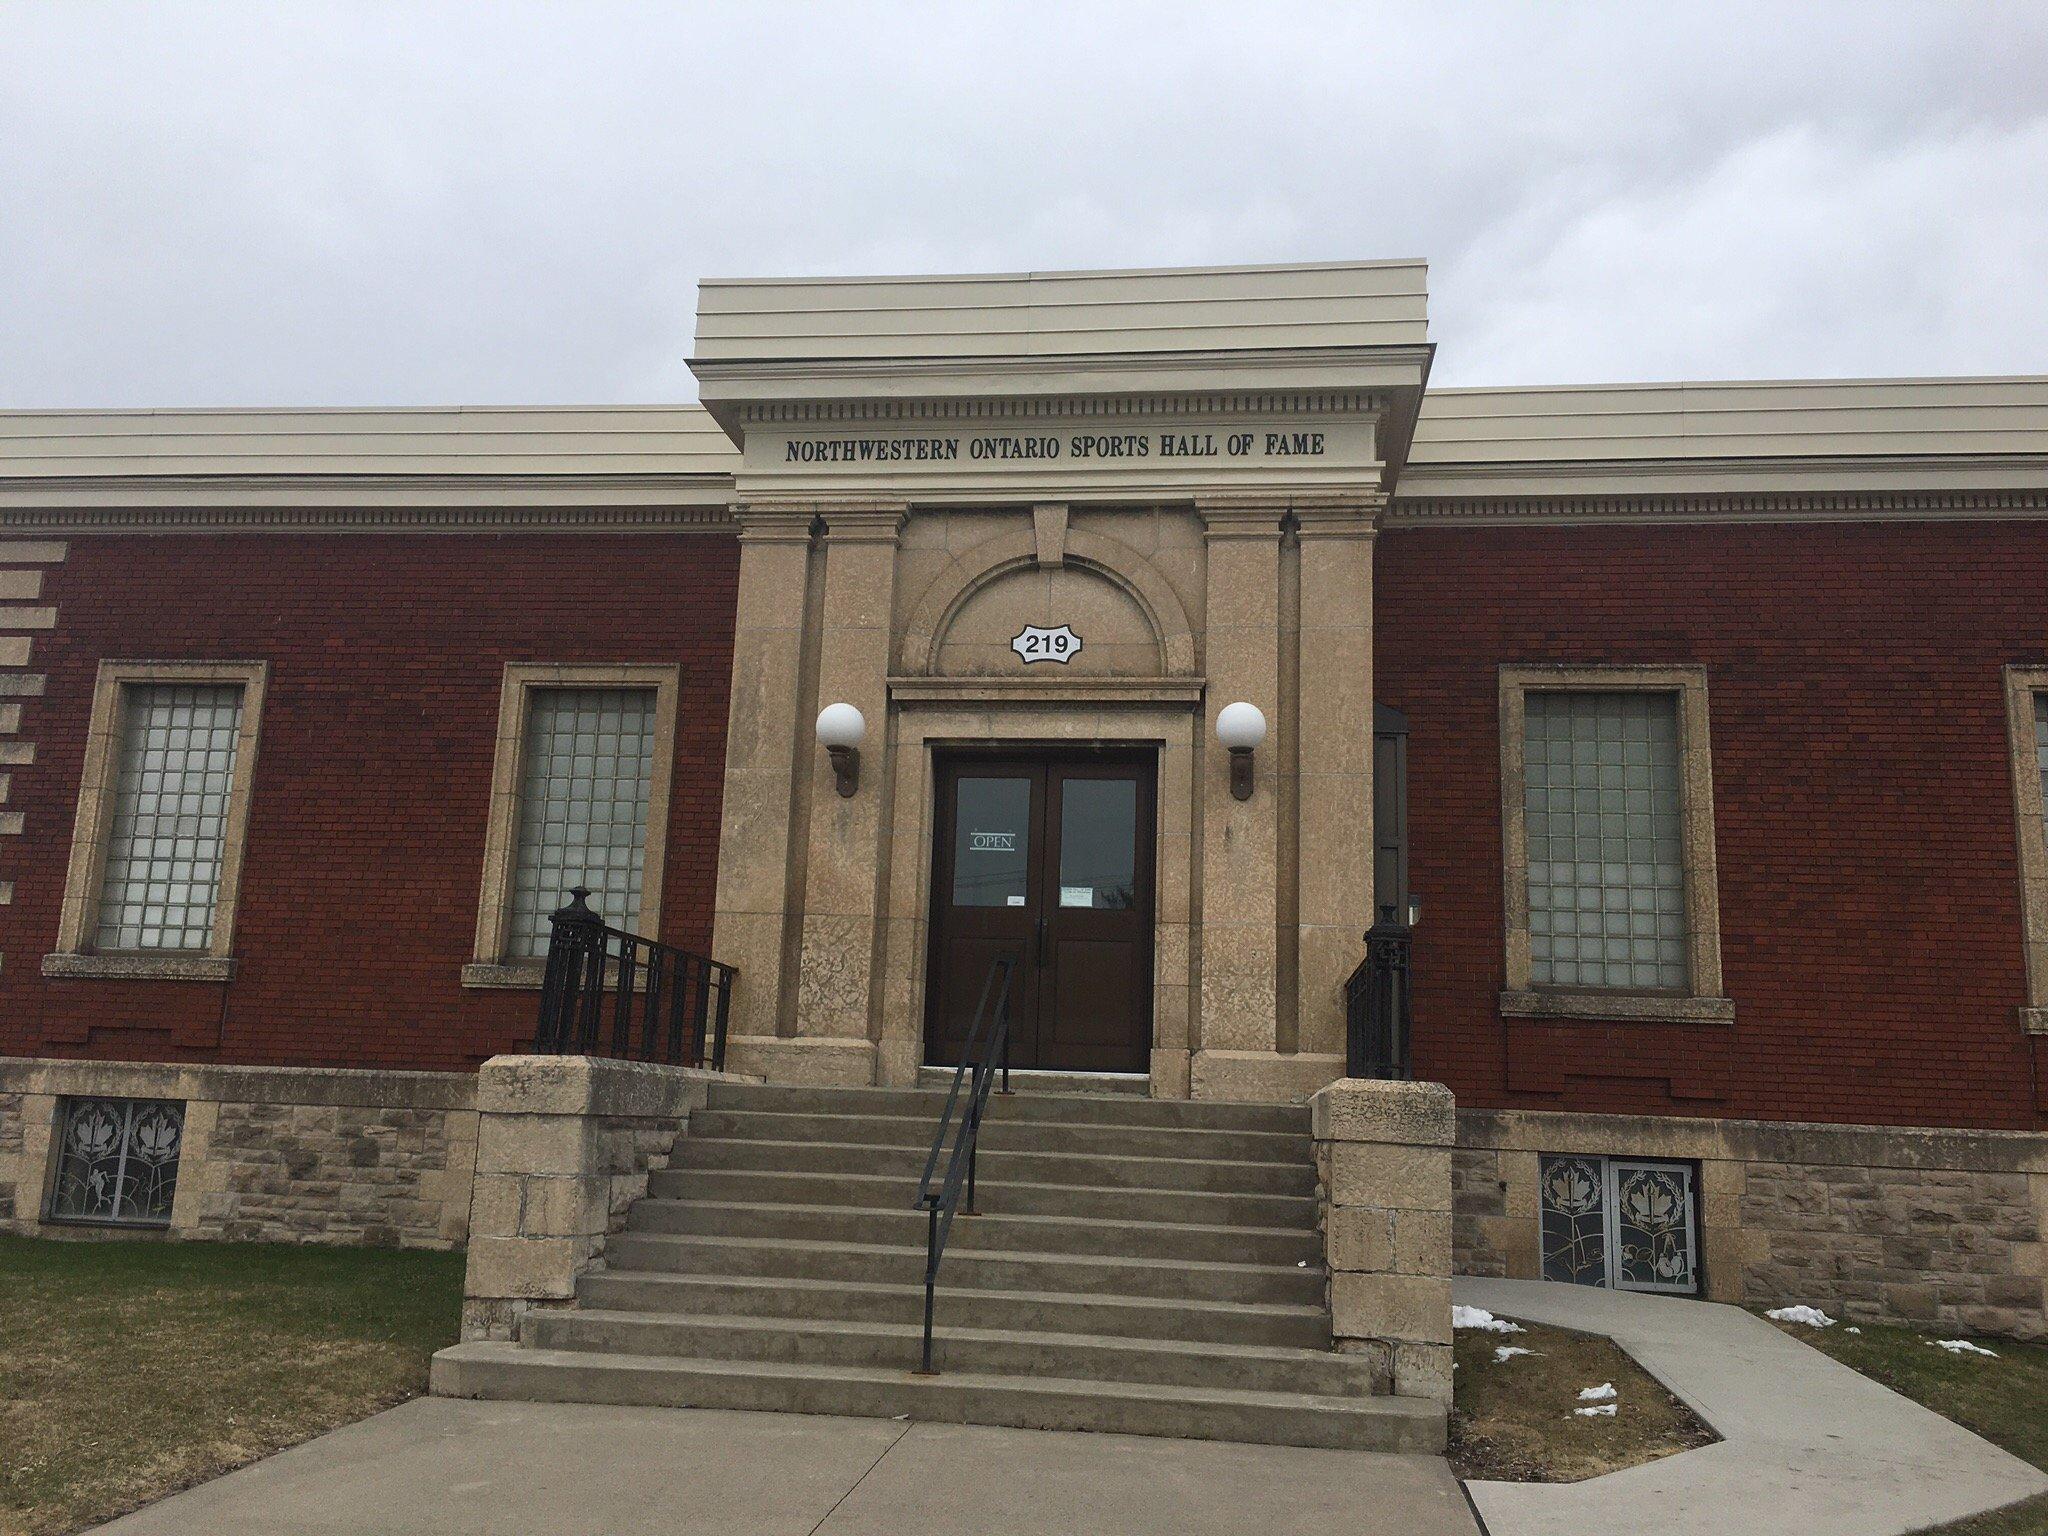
<point x="129" y="1370"/>
<point x="2004" y="1400"/>
<point x="1514" y="1420"/>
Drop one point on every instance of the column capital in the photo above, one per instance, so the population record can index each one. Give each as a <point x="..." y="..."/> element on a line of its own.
<point x="1349" y="515"/>
<point x="1242" y="515"/>
<point x="772" y="524"/>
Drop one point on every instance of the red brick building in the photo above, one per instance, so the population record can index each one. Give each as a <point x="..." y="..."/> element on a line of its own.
<point x="1707" y="753"/>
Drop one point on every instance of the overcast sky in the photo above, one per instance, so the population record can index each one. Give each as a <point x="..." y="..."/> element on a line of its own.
<point x="294" y="203"/>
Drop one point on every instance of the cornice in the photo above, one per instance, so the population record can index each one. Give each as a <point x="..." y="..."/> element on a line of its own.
<point x="1278" y="402"/>
<point x="27" y="517"/>
<point x="1719" y="507"/>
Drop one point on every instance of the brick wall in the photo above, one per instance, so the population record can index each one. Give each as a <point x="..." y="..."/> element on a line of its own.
<point x="1870" y="910"/>
<point x="372" y="783"/>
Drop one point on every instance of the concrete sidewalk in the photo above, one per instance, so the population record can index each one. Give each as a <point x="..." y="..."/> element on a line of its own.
<point x="446" y="1467"/>
<point x="1807" y="1445"/>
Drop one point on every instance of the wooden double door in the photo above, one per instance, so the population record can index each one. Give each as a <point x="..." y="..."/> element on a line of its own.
<point x="1046" y="858"/>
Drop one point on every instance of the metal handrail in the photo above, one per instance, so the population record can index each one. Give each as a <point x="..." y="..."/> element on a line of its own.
<point x="980" y="1059"/>
<point x="666" y="1004"/>
<point x="1377" y="1002"/>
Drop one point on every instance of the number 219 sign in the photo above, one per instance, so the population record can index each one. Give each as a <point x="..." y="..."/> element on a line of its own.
<point x="1035" y="644"/>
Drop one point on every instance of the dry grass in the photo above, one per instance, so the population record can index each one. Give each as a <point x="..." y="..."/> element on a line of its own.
<point x="129" y="1370"/>
<point x="2005" y="1400"/>
<point x="1513" y="1420"/>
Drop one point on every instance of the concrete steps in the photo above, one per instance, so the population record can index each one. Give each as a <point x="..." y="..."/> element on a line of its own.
<point x="955" y="1397"/>
<point x="1138" y="1266"/>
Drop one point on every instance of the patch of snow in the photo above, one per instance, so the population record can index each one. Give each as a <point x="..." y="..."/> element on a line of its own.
<point x="1852" y="1329"/>
<point x="1508" y="1352"/>
<point x="1604" y="1393"/>
<point x="1813" y="1317"/>
<point x="1963" y="1347"/>
<point x="1605" y="1410"/>
<point x="1479" y="1317"/>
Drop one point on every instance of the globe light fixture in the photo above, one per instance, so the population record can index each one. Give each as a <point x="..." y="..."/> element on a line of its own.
<point x="1241" y="727"/>
<point x="841" y="730"/>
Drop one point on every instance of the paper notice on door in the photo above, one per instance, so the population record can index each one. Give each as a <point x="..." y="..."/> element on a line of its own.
<point x="1077" y="895"/>
<point x="1016" y="901"/>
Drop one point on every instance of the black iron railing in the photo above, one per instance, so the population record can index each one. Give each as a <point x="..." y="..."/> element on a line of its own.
<point x="1376" y="1002"/>
<point x="986" y="1053"/>
<point x="607" y="992"/>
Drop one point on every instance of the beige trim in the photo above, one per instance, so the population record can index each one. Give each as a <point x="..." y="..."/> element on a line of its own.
<point x="1938" y="491"/>
<point x="87" y="868"/>
<point x="2022" y="683"/>
<point x="489" y="966"/>
<point x="1703" y="1001"/>
<point x="360" y="504"/>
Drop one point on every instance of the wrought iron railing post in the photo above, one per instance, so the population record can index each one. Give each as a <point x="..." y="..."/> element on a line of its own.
<point x="1378" y="1002"/>
<point x="589" y="961"/>
<point x="573" y="931"/>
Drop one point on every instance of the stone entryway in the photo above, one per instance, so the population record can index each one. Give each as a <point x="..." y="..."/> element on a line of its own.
<point x="1045" y="859"/>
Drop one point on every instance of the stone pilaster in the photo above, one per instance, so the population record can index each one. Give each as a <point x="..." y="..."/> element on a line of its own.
<point x="846" y="866"/>
<point x="753" y="906"/>
<point x="1237" y="1027"/>
<point x="1383" y="1167"/>
<point x="1333" y="729"/>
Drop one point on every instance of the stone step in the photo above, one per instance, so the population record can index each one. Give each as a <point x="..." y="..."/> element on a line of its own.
<point x="1004" y="1136"/>
<point x="1000" y="1352"/>
<point x="1282" y="1325"/>
<point x="871" y="1191"/>
<point x="966" y="1268"/>
<point x="1041" y="1080"/>
<point x="509" y="1371"/>
<point x="986" y="1232"/>
<point x="1060" y="1109"/>
<point x="1002" y="1166"/>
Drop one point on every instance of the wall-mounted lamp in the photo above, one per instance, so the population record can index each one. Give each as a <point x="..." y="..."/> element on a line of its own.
<point x="841" y="730"/>
<point x="1241" y="727"/>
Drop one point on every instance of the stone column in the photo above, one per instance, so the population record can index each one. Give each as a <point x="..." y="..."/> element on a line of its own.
<point x="1383" y="1167"/>
<point x="846" y="864"/>
<point x="1334" y="731"/>
<point x="1236" y="1040"/>
<point x="564" y="1147"/>
<point x="754" y="849"/>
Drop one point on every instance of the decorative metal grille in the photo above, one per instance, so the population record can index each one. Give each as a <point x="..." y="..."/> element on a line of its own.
<point x="1606" y="870"/>
<point x="589" y="764"/>
<point x="117" y="1161"/>
<point x="169" y="827"/>
<point x="1574" y="1220"/>
<point x="1621" y="1223"/>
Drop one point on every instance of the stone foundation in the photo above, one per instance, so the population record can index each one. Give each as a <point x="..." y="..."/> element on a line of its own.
<point x="269" y="1154"/>
<point x="564" y="1147"/>
<point x="1938" y="1228"/>
<point x="1383" y="1175"/>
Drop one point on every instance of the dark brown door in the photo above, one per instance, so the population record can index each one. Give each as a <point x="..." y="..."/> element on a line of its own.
<point x="1047" y="860"/>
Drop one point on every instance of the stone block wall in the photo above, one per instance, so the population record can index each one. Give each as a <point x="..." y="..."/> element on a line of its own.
<point x="1946" y="1229"/>
<point x="1383" y="1170"/>
<point x="564" y="1147"/>
<point x="272" y="1154"/>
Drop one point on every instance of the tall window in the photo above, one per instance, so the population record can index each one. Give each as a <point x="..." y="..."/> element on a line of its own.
<point x="163" y="809"/>
<point x="168" y="833"/>
<point x="1610" y="885"/>
<point x="589" y="760"/>
<point x="579" y="796"/>
<point x="1606" y="857"/>
<point x="2026" y="695"/>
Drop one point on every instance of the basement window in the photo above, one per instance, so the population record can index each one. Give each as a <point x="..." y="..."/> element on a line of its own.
<point x="1625" y="1223"/>
<point x="117" y="1161"/>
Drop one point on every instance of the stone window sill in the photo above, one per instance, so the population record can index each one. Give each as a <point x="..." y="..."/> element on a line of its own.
<point x="142" y="967"/>
<point x="1644" y="1007"/>
<point x="515" y="977"/>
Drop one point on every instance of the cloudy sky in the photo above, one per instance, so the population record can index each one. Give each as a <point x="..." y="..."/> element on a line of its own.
<point x="362" y="203"/>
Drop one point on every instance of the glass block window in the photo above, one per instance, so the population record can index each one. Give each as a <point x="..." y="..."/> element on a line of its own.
<point x="117" y="1161"/>
<point x="168" y="833"/>
<point x="2041" y="746"/>
<point x="1606" y="862"/>
<point x="584" y="786"/>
